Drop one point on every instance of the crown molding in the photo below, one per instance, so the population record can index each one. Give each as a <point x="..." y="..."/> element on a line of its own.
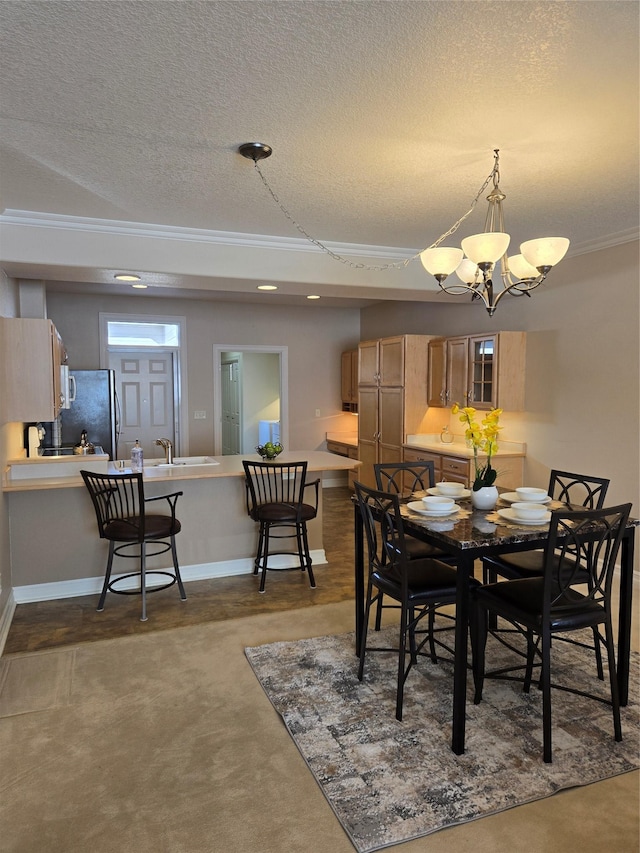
<point x="605" y="242"/>
<point x="34" y="219"/>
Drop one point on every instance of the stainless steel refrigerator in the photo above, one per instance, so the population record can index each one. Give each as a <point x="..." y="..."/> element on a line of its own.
<point x="95" y="408"/>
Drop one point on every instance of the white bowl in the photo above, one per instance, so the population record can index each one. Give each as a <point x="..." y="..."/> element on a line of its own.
<point x="530" y="495"/>
<point x="529" y="511"/>
<point x="452" y="489"/>
<point x="437" y="503"/>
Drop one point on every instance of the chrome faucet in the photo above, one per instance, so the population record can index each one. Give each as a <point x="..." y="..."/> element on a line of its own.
<point x="168" y="449"/>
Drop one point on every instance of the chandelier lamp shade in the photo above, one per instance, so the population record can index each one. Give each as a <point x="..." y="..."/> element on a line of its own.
<point x="475" y="263"/>
<point x="481" y="256"/>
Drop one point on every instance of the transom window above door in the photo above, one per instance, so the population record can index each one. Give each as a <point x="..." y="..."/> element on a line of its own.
<point x="128" y="334"/>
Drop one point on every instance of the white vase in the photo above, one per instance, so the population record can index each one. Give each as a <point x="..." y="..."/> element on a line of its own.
<point x="484" y="498"/>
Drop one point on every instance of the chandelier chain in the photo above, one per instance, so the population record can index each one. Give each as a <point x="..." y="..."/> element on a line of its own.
<point x="377" y="268"/>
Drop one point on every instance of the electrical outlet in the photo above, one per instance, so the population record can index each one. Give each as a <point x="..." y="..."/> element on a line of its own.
<point x="200" y="416"/>
<point x="317" y="413"/>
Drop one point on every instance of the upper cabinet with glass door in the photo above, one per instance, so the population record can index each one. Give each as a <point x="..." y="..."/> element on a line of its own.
<point x="483" y="371"/>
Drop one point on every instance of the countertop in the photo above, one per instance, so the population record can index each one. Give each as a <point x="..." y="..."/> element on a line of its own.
<point x="350" y="438"/>
<point x="227" y="466"/>
<point x="459" y="448"/>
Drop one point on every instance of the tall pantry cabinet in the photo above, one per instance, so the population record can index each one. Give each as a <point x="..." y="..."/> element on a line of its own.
<point x="392" y="398"/>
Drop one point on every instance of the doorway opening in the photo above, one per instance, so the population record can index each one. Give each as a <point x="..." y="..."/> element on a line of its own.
<point x="250" y="397"/>
<point x="146" y="354"/>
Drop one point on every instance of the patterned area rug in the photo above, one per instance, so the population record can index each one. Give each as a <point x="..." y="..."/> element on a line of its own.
<point x="389" y="782"/>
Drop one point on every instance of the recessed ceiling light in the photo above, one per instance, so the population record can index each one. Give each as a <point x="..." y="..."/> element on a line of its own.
<point x="127" y="276"/>
<point x="313" y="296"/>
<point x="267" y="287"/>
<point x="140" y="286"/>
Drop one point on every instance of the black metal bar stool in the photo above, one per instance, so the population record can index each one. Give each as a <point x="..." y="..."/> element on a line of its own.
<point x="120" y="506"/>
<point x="274" y="492"/>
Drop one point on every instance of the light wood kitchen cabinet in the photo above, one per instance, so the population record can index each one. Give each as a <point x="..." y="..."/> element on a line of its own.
<point x="368" y="359"/>
<point x="437" y="373"/>
<point x="341" y="448"/>
<point x="460" y="469"/>
<point x="455" y="469"/>
<point x="483" y="371"/>
<point x="411" y="455"/>
<point x="392" y="398"/>
<point x="31" y="354"/>
<point x="382" y="362"/>
<point x="457" y="372"/>
<point x="350" y="381"/>
<point x="448" y="371"/>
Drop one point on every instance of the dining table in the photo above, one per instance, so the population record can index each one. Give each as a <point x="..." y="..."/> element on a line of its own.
<point x="470" y="534"/>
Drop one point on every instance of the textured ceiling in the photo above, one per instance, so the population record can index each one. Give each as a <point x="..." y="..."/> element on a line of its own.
<point x="382" y="115"/>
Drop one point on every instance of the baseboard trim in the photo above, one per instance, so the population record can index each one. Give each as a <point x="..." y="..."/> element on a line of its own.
<point x="92" y="586"/>
<point x="5" y="620"/>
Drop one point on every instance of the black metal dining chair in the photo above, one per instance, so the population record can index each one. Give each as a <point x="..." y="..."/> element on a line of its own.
<point x="574" y="489"/>
<point x="121" y="512"/>
<point x="419" y="586"/>
<point x="403" y="479"/>
<point x="557" y="604"/>
<point x="275" y="500"/>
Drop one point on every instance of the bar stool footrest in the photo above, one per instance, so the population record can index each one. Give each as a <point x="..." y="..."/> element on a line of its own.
<point x="112" y="588"/>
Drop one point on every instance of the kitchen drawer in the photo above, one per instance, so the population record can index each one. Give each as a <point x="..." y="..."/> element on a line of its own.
<point x="423" y="456"/>
<point x="455" y="469"/>
<point x="338" y="447"/>
<point x="353" y="453"/>
<point x="455" y="465"/>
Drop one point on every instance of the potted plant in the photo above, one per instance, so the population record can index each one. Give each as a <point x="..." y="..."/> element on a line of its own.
<point x="483" y="437"/>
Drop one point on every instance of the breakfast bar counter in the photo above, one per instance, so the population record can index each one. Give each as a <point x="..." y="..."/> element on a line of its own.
<point x="56" y="551"/>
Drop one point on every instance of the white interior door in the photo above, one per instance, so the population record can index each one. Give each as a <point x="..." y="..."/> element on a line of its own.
<point x="145" y="387"/>
<point x="231" y="415"/>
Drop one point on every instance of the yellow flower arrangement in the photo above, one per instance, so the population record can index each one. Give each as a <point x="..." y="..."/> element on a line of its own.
<point x="484" y="439"/>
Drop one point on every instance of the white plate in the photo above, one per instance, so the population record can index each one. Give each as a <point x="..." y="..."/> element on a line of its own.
<point x="512" y="497"/>
<point x="418" y="506"/>
<point x="463" y="494"/>
<point x="510" y="515"/>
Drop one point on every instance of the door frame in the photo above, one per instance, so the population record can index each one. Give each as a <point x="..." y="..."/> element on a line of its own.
<point x="238" y="362"/>
<point x="283" y="353"/>
<point x="180" y="403"/>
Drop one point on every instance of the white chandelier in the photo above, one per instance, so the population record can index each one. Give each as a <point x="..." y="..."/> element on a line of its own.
<point x="475" y="262"/>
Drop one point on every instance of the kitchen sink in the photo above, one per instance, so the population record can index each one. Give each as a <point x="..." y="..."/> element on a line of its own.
<point x="181" y="461"/>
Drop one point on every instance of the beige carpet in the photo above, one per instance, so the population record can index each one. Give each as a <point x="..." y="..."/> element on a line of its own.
<point x="166" y="743"/>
